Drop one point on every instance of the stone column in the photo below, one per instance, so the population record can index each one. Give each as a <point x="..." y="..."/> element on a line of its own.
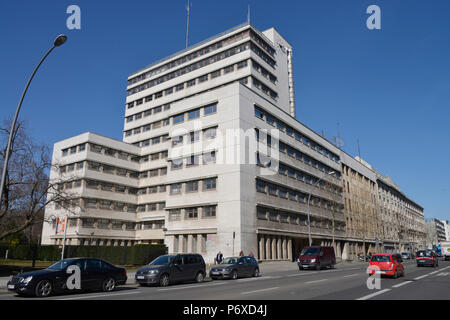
<point x="199" y="243"/>
<point x="289" y="249"/>
<point x="274" y="248"/>
<point x="284" y="254"/>
<point x="279" y="254"/>
<point x="268" y="249"/>
<point x="345" y="254"/>
<point x="261" y="248"/>
<point x="180" y="243"/>
<point x="189" y="243"/>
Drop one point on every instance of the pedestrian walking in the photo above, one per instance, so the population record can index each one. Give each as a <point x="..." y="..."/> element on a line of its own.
<point x="251" y="254"/>
<point x="219" y="257"/>
<point x="241" y="254"/>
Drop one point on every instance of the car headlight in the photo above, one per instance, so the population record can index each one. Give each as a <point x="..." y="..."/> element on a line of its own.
<point x="153" y="271"/>
<point x="313" y="260"/>
<point x="26" y="280"/>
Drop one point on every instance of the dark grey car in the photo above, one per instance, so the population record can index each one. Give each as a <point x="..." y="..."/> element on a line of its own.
<point x="168" y="269"/>
<point x="235" y="267"/>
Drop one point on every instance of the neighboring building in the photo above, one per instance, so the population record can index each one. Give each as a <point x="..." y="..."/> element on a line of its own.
<point x="212" y="158"/>
<point x="440" y="229"/>
<point x="363" y="225"/>
<point x="431" y="234"/>
<point x="447" y="229"/>
<point x="402" y="219"/>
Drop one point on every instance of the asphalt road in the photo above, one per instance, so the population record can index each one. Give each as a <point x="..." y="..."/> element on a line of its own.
<point x="347" y="282"/>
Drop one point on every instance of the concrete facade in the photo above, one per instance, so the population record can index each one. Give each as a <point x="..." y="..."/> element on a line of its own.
<point x="212" y="158"/>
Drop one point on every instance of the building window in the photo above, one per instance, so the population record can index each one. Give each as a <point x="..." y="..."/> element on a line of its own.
<point x="209" y="184"/>
<point x="210" y="133"/>
<point x="194" y="114"/>
<point x="178" y="119"/>
<point x="175" y="188"/>
<point x="209" y="157"/>
<point x="242" y="64"/>
<point x="209" y="212"/>
<point x="192" y="186"/>
<point x="228" y="69"/>
<point x="191" y="213"/>
<point x="191" y="83"/>
<point x="210" y="109"/>
<point x="174" y="214"/>
<point x="192" y="161"/>
<point x="203" y="78"/>
<point x="177" y="164"/>
<point x="215" y="74"/>
<point x="180" y="87"/>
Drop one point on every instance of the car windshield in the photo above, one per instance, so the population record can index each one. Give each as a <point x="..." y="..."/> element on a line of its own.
<point x="62" y="264"/>
<point x="424" y="254"/>
<point x="310" y="252"/>
<point x="381" y="259"/>
<point x="231" y="260"/>
<point x="162" y="260"/>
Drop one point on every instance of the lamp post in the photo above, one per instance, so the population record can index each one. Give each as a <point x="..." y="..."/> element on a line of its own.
<point x="309" y="207"/>
<point x="58" y="42"/>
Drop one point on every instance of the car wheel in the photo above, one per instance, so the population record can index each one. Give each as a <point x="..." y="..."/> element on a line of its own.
<point x="164" y="280"/>
<point x="44" y="288"/>
<point x="108" y="285"/>
<point x="396" y="274"/>
<point x="234" y="275"/>
<point x="318" y="267"/>
<point x="199" y="277"/>
<point x="256" y="273"/>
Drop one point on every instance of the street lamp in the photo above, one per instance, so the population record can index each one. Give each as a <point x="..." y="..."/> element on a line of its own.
<point x="58" y="42"/>
<point x="309" y="207"/>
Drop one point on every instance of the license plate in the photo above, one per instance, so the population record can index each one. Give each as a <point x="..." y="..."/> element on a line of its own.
<point x="214" y="272"/>
<point x="140" y="277"/>
<point x="11" y="286"/>
<point x="380" y="272"/>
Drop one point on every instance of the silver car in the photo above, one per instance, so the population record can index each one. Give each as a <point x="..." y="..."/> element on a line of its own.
<point x="235" y="267"/>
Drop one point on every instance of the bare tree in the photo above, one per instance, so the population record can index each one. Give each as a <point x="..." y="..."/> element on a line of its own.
<point x="28" y="190"/>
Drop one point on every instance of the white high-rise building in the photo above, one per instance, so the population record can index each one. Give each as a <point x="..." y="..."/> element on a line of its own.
<point x="212" y="158"/>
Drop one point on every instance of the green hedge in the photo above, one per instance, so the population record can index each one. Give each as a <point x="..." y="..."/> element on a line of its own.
<point x="134" y="255"/>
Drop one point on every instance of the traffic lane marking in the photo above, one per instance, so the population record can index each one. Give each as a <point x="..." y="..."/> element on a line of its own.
<point x="374" y="294"/>
<point x="101" y="295"/>
<point x="192" y="286"/>
<point x="401" y="284"/>
<point x="316" y="281"/>
<point x="260" y="290"/>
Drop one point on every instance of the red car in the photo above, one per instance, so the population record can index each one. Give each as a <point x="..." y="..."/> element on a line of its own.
<point x="386" y="264"/>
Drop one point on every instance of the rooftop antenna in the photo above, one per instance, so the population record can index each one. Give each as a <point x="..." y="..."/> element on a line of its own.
<point x="359" y="151"/>
<point x="248" y="14"/>
<point x="188" y="8"/>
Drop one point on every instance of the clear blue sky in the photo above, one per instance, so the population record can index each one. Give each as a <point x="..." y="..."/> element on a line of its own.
<point x="389" y="88"/>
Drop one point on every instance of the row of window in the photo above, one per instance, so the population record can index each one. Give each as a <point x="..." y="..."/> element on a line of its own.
<point x="184" y="85"/>
<point x="192" y="67"/>
<point x="265" y="89"/>
<point x="266" y="74"/>
<point x="294" y="195"/>
<point x="193" y="186"/>
<point x="193" y="160"/>
<point x="280" y="125"/>
<point x="101" y="150"/>
<point x="295" y="153"/>
<point x="193" y="213"/>
<point x="195" y="113"/>
<point x="74" y="149"/>
<point x="198" y="53"/>
<point x="120" y="225"/>
<point x="195" y="136"/>
<point x="263" y="213"/>
<point x="146" y="113"/>
<point x="96" y="166"/>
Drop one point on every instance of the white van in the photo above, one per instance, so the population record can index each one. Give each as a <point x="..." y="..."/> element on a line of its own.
<point x="445" y="250"/>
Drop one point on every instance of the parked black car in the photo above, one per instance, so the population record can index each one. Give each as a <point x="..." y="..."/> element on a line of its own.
<point x="95" y="274"/>
<point x="168" y="269"/>
<point x="235" y="267"/>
